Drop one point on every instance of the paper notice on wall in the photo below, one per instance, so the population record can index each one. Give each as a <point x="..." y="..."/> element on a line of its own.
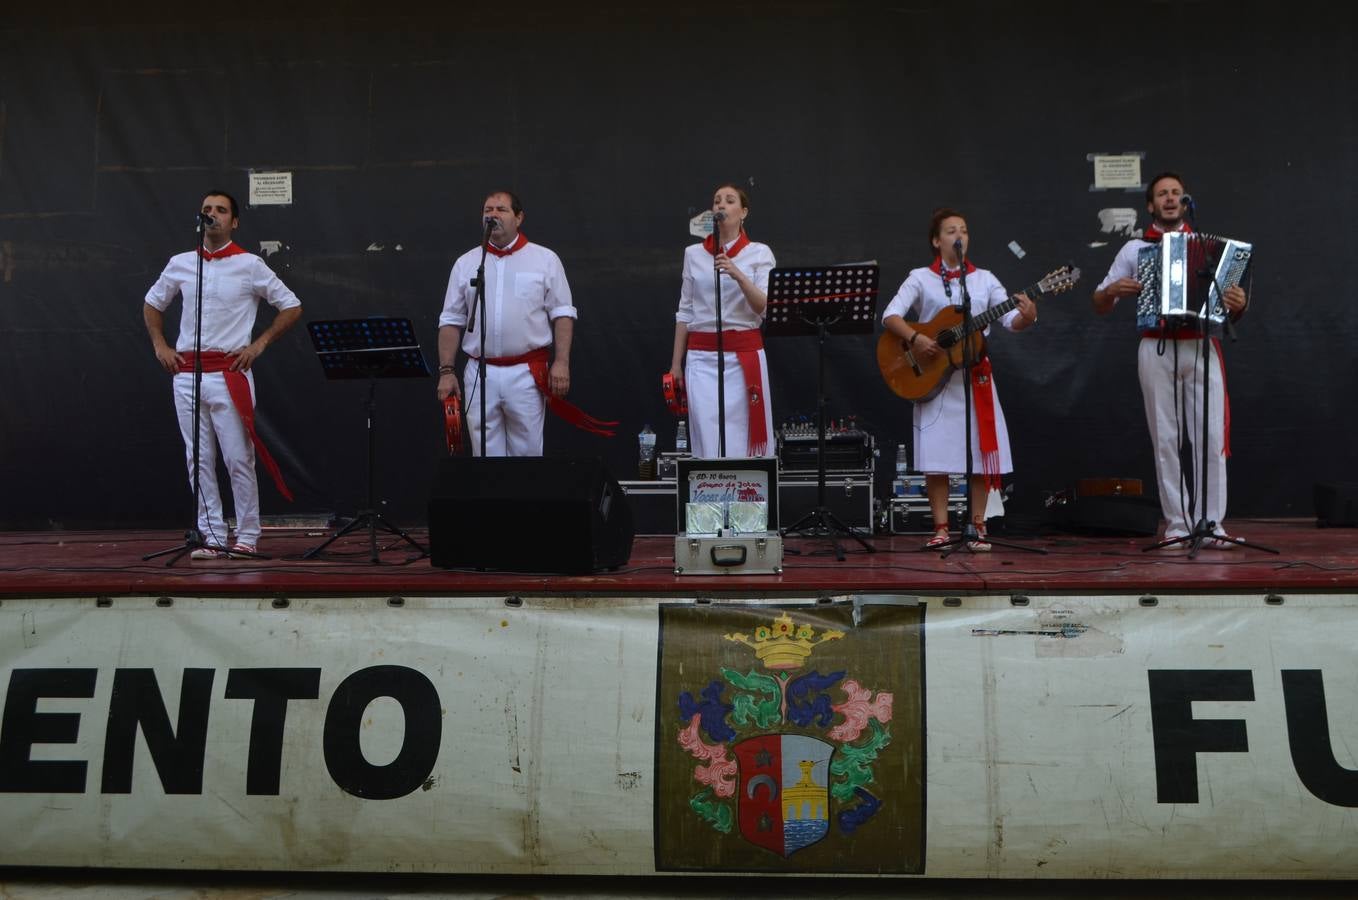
<point x="1116" y="171"/>
<point x="270" y="188"/>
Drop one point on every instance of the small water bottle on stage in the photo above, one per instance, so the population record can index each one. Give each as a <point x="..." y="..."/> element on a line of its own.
<point x="681" y="437"/>
<point x="902" y="469"/>
<point x="646" y="451"/>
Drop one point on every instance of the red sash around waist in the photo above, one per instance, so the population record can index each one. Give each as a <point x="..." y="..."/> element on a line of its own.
<point x="537" y="366"/>
<point x="1175" y="333"/>
<point x="745" y="344"/>
<point x="983" y="396"/>
<point x="239" y="389"/>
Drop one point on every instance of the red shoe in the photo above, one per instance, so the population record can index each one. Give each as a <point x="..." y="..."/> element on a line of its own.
<point x="938" y="540"/>
<point x="206" y="553"/>
<point x="241" y="551"/>
<point x="980" y="545"/>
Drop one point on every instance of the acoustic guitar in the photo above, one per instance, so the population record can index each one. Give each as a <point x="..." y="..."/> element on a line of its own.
<point x="917" y="380"/>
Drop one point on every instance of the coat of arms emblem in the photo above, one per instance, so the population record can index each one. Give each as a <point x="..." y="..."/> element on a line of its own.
<point x="786" y="745"/>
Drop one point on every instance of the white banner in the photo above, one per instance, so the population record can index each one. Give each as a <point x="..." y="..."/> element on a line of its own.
<point x="1072" y="737"/>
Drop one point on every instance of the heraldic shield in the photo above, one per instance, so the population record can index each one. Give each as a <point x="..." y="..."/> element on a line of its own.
<point x="784" y="791"/>
<point x="790" y="744"/>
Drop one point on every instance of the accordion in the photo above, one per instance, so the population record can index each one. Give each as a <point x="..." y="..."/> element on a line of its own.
<point x="1184" y="275"/>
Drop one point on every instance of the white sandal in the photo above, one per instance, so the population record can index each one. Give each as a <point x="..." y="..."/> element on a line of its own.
<point x="939" y="539"/>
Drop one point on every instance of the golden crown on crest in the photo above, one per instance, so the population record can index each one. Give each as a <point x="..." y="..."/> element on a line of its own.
<point x="783" y="644"/>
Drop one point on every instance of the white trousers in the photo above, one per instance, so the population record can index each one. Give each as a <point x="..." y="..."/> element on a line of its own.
<point x="700" y="384"/>
<point x="220" y="428"/>
<point x="1171" y="387"/>
<point x="515" y="410"/>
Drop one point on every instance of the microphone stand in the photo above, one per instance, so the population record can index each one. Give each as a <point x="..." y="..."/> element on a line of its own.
<point x="718" y="247"/>
<point x="1204" y="529"/>
<point x="479" y="282"/>
<point x="193" y="537"/>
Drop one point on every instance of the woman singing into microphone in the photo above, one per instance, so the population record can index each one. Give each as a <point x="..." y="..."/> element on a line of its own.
<point x="744" y="267"/>
<point x="939" y="439"/>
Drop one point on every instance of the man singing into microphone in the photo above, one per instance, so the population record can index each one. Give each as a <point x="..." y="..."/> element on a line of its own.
<point x="528" y="308"/>
<point x="233" y="283"/>
<point x="1170" y="369"/>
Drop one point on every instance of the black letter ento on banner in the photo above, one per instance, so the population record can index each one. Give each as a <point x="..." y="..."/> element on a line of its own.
<point x="23" y="726"/>
<point x="423" y="730"/>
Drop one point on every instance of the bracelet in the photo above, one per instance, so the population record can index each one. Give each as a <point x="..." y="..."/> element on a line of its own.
<point x="446" y="370"/>
<point x="911" y="342"/>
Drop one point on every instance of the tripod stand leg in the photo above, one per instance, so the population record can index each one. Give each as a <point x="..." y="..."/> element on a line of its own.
<point x="367" y="519"/>
<point x="359" y="521"/>
<point x="821" y="522"/>
<point x="839" y="527"/>
<point x="402" y="535"/>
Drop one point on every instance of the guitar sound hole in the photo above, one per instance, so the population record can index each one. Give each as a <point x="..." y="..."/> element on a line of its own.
<point x="947" y="339"/>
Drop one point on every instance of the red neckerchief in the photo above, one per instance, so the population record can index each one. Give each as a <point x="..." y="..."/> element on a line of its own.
<point x="710" y="244"/>
<point x="231" y="249"/>
<point x="948" y="275"/>
<point x="519" y="243"/>
<point x="1153" y="234"/>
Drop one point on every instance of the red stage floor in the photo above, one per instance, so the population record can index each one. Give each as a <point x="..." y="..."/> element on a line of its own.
<point x="110" y="563"/>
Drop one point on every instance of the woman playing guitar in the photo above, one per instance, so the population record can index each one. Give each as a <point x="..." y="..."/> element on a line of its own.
<point x="939" y="443"/>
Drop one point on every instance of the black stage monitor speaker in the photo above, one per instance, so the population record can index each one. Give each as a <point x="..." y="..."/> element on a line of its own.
<point x="528" y="514"/>
<point x="1110" y="516"/>
<point x="1336" y="504"/>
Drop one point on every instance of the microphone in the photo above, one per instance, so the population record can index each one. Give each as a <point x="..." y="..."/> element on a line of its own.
<point x="491" y="223"/>
<point x="719" y="216"/>
<point x="205" y="219"/>
<point x="1188" y="204"/>
<point x="957" y="248"/>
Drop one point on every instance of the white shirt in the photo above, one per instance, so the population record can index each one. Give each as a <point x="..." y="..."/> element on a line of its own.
<point x="698" y="293"/>
<point x="232" y="288"/>
<point x="524" y="292"/>
<point x="1124" y="264"/>
<point x="923" y="292"/>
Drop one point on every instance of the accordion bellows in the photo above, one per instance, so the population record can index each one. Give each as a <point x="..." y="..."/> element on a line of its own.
<point x="1184" y="275"/>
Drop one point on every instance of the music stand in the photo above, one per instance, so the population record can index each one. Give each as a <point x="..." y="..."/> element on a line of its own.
<point x="806" y="301"/>
<point x="372" y="348"/>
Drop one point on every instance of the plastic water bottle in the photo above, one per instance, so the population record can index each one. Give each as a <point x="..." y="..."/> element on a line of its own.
<point x="681" y="437"/>
<point x="646" y="449"/>
<point x="898" y="487"/>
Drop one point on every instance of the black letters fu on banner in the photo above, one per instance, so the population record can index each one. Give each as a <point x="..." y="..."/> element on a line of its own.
<point x="1179" y="736"/>
<point x="178" y="749"/>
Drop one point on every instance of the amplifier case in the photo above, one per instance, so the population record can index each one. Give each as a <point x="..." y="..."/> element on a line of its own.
<point x="849" y="497"/>
<point x="911" y="515"/>
<point x="652" y="505"/>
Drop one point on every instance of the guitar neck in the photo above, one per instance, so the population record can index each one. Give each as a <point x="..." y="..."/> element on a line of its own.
<point x="981" y="320"/>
